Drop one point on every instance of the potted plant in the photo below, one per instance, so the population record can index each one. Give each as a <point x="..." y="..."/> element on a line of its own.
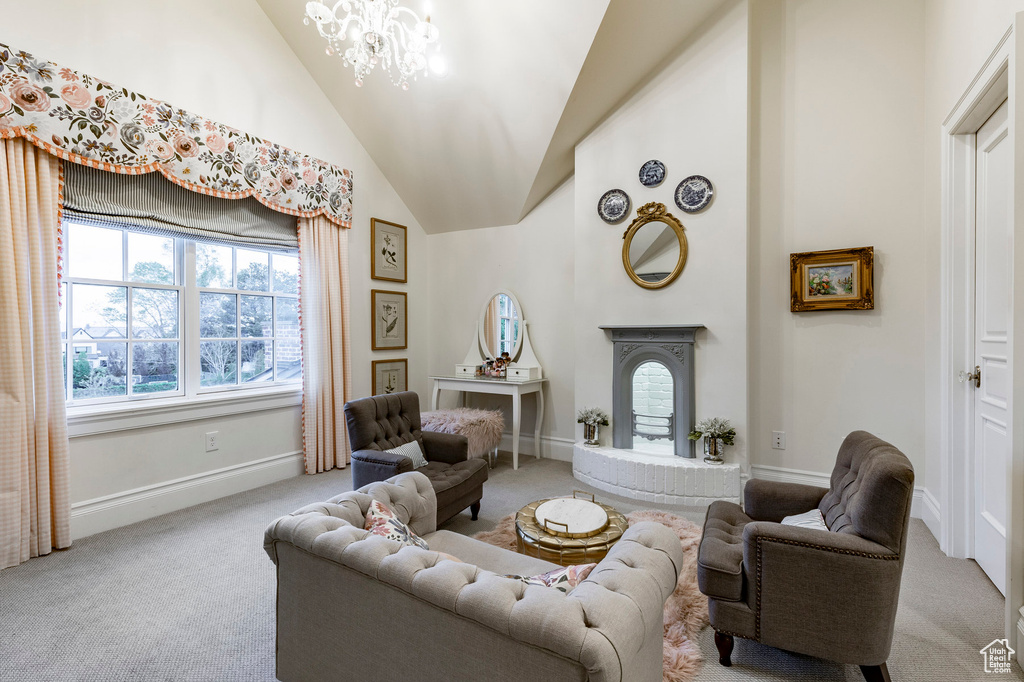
<point x="717" y="433"/>
<point x="591" y="418"/>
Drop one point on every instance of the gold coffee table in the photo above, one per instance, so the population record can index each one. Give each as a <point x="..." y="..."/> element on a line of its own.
<point x="571" y="530"/>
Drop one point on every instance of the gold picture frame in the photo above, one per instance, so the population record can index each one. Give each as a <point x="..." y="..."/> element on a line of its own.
<point x="841" y="279"/>
<point x="390" y="376"/>
<point x="389" y="320"/>
<point x="388" y="251"/>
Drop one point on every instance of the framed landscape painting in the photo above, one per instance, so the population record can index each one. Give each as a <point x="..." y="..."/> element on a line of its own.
<point x="389" y="322"/>
<point x="841" y="279"/>
<point x="387" y="251"/>
<point x="390" y="376"/>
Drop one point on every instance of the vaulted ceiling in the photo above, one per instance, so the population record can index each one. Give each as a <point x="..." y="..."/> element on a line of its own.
<point x="527" y="81"/>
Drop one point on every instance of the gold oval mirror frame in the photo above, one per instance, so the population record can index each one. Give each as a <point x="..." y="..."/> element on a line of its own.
<point x="653" y="212"/>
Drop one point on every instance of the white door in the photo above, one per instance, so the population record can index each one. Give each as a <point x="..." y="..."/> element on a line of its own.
<point x="993" y="281"/>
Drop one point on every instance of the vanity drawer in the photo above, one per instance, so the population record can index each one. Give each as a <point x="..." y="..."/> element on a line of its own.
<point x="523" y="373"/>
<point x="465" y="370"/>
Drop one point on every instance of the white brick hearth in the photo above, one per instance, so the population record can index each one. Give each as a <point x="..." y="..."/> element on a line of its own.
<point x="661" y="479"/>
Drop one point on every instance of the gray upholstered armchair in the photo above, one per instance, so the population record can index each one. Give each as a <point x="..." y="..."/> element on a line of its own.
<point x="826" y="593"/>
<point x="382" y="422"/>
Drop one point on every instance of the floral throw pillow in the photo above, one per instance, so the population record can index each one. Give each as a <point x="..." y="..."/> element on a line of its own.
<point x="380" y="520"/>
<point x="563" y="579"/>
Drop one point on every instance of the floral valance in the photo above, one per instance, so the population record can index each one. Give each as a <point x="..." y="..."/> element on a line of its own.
<point x="83" y="119"/>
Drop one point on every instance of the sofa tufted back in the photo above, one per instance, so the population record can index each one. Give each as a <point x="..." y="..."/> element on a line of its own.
<point x="382" y="422"/>
<point x="871" y="490"/>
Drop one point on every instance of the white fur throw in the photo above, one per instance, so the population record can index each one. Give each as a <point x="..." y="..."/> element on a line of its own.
<point x="482" y="428"/>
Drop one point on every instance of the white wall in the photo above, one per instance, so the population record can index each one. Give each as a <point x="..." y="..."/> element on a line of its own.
<point x="837" y="151"/>
<point x="693" y="117"/>
<point x="226" y="61"/>
<point x="534" y="260"/>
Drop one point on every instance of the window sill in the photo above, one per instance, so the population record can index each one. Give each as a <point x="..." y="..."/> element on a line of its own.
<point x="96" y="419"/>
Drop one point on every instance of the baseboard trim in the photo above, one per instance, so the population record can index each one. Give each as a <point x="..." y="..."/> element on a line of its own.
<point x="551" y="447"/>
<point x="784" y="475"/>
<point x="120" y="509"/>
<point x="931" y="511"/>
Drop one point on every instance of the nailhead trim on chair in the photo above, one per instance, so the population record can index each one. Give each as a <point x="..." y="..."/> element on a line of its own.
<point x="836" y="550"/>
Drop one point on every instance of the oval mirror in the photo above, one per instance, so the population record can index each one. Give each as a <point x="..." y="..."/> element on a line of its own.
<point x="500" y="325"/>
<point x="654" y="251"/>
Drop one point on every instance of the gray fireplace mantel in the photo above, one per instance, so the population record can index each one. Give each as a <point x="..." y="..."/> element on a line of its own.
<point x="672" y="346"/>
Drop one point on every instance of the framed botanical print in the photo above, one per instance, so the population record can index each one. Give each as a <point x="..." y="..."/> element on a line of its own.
<point x="841" y="279"/>
<point x="390" y="376"/>
<point x="389" y="321"/>
<point x="387" y="251"/>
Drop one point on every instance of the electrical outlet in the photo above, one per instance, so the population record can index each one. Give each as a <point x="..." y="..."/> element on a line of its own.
<point x="778" y="440"/>
<point x="211" y="441"/>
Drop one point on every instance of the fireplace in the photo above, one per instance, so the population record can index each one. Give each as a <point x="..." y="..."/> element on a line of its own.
<point x="653" y="406"/>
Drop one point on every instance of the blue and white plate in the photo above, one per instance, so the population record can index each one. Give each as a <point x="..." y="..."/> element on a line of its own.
<point x="652" y="173"/>
<point x="613" y="206"/>
<point x="694" y="193"/>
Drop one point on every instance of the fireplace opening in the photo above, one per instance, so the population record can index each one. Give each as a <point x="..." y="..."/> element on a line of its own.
<point x="653" y="412"/>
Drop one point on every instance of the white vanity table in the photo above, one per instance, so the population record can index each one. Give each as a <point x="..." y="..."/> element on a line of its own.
<point x="511" y="387"/>
<point x="502" y="329"/>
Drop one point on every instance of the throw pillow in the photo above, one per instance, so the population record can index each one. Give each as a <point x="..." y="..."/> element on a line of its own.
<point x="413" y="451"/>
<point x="380" y="520"/>
<point x="811" y="519"/>
<point x="563" y="579"/>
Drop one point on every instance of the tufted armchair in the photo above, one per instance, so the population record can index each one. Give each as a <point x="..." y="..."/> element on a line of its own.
<point x="356" y="606"/>
<point x="826" y="593"/>
<point x="383" y="422"/>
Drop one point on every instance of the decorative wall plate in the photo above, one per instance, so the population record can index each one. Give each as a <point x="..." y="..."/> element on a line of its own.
<point x="613" y="206"/>
<point x="652" y="173"/>
<point x="694" y="193"/>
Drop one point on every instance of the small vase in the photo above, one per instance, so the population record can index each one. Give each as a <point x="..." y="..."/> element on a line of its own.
<point x="713" y="450"/>
<point x="590" y="434"/>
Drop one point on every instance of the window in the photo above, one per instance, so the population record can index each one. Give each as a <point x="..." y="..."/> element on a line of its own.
<point x="149" y="315"/>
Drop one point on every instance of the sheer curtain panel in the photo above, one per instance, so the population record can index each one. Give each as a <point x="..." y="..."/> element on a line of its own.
<point x="326" y="361"/>
<point x="35" y="506"/>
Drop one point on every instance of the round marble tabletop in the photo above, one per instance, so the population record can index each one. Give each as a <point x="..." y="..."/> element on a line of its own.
<point x="570" y="517"/>
<point x="533" y="539"/>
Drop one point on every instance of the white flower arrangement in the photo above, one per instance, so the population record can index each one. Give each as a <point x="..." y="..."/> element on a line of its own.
<point x="593" y="416"/>
<point x="714" y="427"/>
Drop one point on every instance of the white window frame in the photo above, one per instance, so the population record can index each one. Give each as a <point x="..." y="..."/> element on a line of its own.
<point x="190" y="401"/>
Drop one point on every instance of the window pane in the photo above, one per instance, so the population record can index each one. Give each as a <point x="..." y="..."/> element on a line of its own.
<point x="286" y="274"/>
<point x="100" y="312"/>
<point x="154" y="313"/>
<point x="150" y="258"/>
<point x="213" y="266"/>
<point x="154" y="367"/>
<point x="289" y="350"/>
<point x="216" y="315"/>
<point x="257" y="361"/>
<point x="257" y="316"/>
<point x="217" y="363"/>
<point x="253" y="270"/>
<point x="95" y="252"/>
<point x="100" y="371"/>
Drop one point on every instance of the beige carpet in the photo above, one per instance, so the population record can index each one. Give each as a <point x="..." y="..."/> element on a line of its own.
<point x="686" y="611"/>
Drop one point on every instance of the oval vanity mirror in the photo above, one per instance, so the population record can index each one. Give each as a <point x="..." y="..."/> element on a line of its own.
<point x="654" y="251"/>
<point x="500" y="325"/>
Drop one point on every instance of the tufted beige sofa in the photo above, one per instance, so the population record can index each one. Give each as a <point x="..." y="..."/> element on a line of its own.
<point x="353" y="606"/>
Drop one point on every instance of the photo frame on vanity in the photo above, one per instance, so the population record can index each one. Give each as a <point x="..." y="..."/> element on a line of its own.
<point x="388" y="251"/>
<point x="389" y="320"/>
<point x="841" y="279"/>
<point x="390" y="376"/>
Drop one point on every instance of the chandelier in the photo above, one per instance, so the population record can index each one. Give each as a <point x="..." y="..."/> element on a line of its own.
<point x="380" y="32"/>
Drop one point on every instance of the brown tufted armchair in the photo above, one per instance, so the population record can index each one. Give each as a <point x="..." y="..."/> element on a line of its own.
<point x="383" y="422"/>
<point x="826" y="593"/>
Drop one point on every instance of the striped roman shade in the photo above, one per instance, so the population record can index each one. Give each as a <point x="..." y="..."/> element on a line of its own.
<point x="157" y="205"/>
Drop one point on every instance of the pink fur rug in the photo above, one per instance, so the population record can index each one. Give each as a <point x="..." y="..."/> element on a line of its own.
<point x="482" y="428"/>
<point x="686" y="611"/>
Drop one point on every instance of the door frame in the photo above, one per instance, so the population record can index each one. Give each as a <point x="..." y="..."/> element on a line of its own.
<point x="996" y="81"/>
